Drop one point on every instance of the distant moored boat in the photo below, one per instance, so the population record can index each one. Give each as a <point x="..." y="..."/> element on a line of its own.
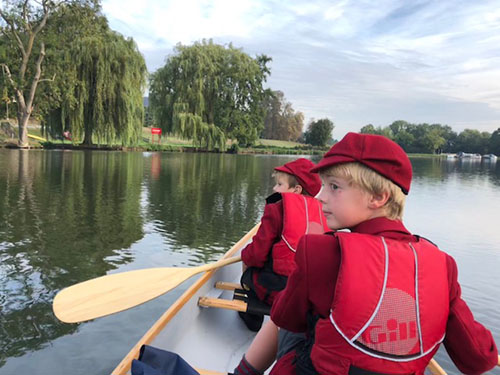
<point x="490" y="157"/>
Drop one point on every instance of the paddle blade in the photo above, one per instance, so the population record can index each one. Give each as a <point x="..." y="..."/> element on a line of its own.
<point x="116" y="292"/>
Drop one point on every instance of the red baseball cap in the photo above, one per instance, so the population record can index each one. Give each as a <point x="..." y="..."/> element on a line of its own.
<point x="374" y="151"/>
<point x="301" y="170"/>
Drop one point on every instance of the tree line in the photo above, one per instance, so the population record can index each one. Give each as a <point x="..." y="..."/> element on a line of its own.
<point x="437" y="138"/>
<point x="62" y="64"/>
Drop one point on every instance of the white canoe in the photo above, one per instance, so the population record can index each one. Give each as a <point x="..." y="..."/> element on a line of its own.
<point x="207" y="338"/>
<point x="212" y="340"/>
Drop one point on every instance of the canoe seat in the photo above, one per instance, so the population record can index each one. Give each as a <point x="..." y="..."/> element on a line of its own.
<point x="240" y="302"/>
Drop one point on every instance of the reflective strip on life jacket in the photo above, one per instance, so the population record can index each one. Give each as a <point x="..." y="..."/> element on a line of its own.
<point x="301" y="215"/>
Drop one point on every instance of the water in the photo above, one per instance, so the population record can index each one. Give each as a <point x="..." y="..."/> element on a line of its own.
<point x="68" y="216"/>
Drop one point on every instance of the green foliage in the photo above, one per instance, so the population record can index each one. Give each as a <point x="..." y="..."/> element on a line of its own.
<point x="208" y="92"/>
<point x="148" y="117"/>
<point x="368" y="129"/>
<point x="234" y="149"/>
<point x="98" y="96"/>
<point x="494" y="143"/>
<point x="319" y="132"/>
<point x="437" y="138"/>
<point x="473" y="141"/>
<point x="281" y="121"/>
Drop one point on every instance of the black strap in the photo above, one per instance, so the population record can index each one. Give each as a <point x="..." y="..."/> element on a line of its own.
<point x="273" y="198"/>
<point x="303" y="363"/>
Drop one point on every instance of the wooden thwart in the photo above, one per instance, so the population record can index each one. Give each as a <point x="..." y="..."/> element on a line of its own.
<point x="235" y="305"/>
<point x="222" y="285"/>
<point x="240" y="302"/>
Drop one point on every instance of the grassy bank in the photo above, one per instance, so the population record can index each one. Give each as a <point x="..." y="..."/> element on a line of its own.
<point x="175" y="144"/>
<point x="166" y="143"/>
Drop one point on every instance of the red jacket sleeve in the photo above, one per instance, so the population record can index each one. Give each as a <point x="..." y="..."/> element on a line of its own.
<point x="256" y="253"/>
<point x="311" y="285"/>
<point x="290" y="307"/>
<point x="469" y="344"/>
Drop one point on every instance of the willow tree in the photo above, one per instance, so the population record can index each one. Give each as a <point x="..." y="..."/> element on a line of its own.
<point x="208" y="92"/>
<point x="104" y="102"/>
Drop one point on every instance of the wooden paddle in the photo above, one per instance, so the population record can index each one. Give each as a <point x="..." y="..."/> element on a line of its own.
<point x="120" y="291"/>
<point x="435" y="368"/>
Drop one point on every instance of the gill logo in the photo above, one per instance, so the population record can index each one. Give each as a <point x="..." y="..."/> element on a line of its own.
<point x="394" y="328"/>
<point x="393" y="331"/>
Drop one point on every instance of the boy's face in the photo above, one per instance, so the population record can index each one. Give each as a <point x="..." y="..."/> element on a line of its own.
<point x="344" y="206"/>
<point x="282" y="185"/>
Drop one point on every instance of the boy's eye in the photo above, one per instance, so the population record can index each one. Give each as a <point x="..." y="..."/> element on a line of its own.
<point x="334" y="186"/>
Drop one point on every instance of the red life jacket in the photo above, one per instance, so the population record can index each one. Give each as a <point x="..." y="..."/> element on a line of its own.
<point x="301" y="215"/>
<point x="390" y="307"/>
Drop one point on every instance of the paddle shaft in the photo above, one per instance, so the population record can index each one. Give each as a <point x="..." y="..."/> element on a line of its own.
<point x="218" y="264"/>
<point x="435" y="369"/>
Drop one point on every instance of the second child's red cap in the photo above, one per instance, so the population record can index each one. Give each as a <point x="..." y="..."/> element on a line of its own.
<point x="301" y="170"/>
<point x="374" y="151"/>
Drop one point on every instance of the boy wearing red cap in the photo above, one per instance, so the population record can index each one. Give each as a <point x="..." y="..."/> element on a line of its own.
<point x="289" y="213"/>
<point x="377" y="300"/>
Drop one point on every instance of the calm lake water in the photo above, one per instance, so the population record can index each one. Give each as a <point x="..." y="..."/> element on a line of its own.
<point x="68" y="216"/>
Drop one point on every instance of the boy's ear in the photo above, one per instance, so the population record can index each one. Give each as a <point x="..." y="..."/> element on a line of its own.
<point x="378" y="200"/>
<point x="298" y="189"/>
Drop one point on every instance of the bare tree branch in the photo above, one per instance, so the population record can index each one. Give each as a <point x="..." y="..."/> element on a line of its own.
<point x="41" y="25"/>
<point x="25" y="15"/>
<point x="48" y="79"/>
<point x="17" y="91"/>
<point x="36" y="79"/>
<point x="14" y="32"/>
<point x="6" y="71"/>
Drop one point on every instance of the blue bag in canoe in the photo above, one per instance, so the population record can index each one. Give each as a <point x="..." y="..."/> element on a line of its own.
<point x="154" y="361"/>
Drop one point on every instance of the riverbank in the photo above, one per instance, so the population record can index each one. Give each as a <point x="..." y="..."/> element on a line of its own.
<point x="37" y="140"/>
<point x="172" y="144"/>
<point x="259" y="149"/>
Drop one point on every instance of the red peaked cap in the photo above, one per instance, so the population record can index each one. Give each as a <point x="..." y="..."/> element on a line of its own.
<point x="374" y="151"/>
<point x="301" y="170"/>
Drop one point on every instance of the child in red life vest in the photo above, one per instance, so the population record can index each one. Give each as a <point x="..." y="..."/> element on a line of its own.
<point x="289" y="213"/>
<point x="377" y="300"/>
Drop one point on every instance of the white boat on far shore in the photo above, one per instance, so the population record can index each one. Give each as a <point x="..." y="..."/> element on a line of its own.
<point x="468" y="156"/>
<point x="490" y="157"/>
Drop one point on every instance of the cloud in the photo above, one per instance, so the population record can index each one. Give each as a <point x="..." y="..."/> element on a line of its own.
<point x="354" y="61"/>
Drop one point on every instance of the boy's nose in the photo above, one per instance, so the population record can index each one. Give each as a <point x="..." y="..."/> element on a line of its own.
<point x="319" y="196"/>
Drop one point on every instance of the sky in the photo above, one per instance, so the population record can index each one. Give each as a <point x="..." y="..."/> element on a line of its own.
<point x="355" y="62"/>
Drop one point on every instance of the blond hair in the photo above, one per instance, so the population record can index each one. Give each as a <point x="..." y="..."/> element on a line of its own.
<point x="373" y="183"/>
<point x="290" y="178"/>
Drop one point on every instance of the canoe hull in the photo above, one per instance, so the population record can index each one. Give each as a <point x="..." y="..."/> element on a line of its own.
<point x="213" y="339"/>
